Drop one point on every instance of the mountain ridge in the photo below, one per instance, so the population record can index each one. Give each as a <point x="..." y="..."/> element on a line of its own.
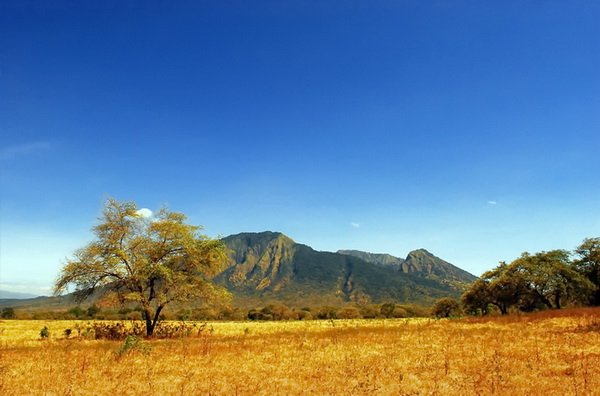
<point x="270" y="267"/>
<point x="419" y="261"/>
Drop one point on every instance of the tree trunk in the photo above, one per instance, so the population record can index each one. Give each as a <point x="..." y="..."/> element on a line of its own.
<point x="557" y="300"/>
<point x="149" y="324"/>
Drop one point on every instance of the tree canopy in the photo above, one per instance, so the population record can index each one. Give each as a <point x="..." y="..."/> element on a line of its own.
<point x="588" y="264"/>
<point x="532" y="281"/>
<point x="151" y="261"/>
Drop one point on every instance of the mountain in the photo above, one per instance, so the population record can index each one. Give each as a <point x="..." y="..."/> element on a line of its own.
<point x="419" y="262"/>
<point x="270" y="267"/>
<point x="382" y="259"/>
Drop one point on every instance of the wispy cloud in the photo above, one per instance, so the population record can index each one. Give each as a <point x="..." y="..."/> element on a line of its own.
<point x="18" y="150"/>
<point x="355" y="225"/>
<point x="492" y="202"/>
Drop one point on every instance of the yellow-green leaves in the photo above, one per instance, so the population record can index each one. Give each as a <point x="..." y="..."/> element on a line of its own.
<point x="152" y="261"/>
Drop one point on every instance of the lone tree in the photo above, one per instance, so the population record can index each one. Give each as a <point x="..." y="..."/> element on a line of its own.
<point x="152" y="261"/>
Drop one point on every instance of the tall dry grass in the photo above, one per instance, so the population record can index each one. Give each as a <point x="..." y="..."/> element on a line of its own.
<point x="555" y="353"/>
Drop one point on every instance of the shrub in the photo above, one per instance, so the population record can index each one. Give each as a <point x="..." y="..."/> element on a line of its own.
<point x="93" y="310"/>
<point x="8" y="313"/>
<point x="44" y="333"/>
<point x="348" y="313"/>
<point x="445" y="308"/>
<point x="133" y="343"/>
<point x="76" y="312"/>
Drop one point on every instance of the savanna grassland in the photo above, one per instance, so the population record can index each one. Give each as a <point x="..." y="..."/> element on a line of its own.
<point x="551" y="353"/>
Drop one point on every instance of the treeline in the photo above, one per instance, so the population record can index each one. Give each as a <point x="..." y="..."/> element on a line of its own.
<point x="275" y="311"/>
<point x="533" y="282"/>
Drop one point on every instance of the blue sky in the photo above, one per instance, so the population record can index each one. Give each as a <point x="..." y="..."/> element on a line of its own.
<point x="471" y="129"/>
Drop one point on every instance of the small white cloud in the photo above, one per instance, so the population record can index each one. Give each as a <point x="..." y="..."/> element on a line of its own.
<point x="144" y="212"/>
<point x="355" y="225"/>
<point x="18" y="150"/>
<point x="492" y="202"/>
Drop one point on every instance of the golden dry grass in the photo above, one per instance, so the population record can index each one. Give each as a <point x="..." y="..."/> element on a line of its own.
<point x="548" y="354"/>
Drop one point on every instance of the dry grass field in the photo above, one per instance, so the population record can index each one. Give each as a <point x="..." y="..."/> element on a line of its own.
<point x="552" y="353"/>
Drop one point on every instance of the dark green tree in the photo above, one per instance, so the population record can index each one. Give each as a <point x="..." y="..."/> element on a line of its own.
<point x="8" y="313"/>
<point x="387" y="309"/>
<point x="476" y="300"/>
<point x="76" y="311"/>
<point x="505" y="287"/>
<point x="445" y="308"/>
<point x="93" y="310"/>
<point x="588" y="264"/>
<point x="551" y="278"/>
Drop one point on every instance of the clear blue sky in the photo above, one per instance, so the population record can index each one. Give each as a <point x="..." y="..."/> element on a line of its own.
<point x="469" y="128"/>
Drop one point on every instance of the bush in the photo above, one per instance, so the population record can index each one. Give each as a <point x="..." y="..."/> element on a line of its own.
<point x="44" y="333"/>
<point x="76" y="312"/>
<point x="304" y="315"/>
<point x="399" y="312"/>
<point x="93" y="310"/>
<point x="445" y="308"/>
<point x="8" y="313"/>
<point x="348" y="313"/>
<point x="133" y="344"/>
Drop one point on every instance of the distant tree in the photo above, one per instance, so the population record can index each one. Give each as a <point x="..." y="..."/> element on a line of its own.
<point x="551" y="278"/>
<point x="93" y="310"/>
<point x="304" y="315"/>
<point x="445" y="308"/>
<point x="369" y="311"/>
<point x="8" y="313"/>
<point x="76" y="311"/>
<point x="149" y="261"/>
<point x="327" y="313"/>
<point x="400" y="312"/>
<point x="531" y="282"/>
<point x="348" y="313"/>
<point x="476" y="300"/>
<point x="387" y="309"/>
<point x="255" y="314"/>
<point x="588" y="264"/>
<point x="505" y="287"/>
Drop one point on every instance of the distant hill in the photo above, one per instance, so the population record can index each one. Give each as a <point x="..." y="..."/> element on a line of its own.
<point x="419" y="262"/>
<point x="269" y="267"/>
<point x="15" y="295"/>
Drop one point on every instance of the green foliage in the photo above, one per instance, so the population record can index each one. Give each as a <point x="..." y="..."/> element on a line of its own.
<point x="45" y="333"/>
<point x="551" y="278"/>
<point x="445" y="308"/>
<point x="387" y="310"/>
<point x="348" y="313"/>
<point x="76" y="311"/>
<point x="588" y="264"/>
<point x="476" y="299"/>
<point x="133" y="343"/>
<point x="152" y="262"/>
<point x="8" y="313"/>
<point x="533" y="282"/>
<point x="93" y="310"/>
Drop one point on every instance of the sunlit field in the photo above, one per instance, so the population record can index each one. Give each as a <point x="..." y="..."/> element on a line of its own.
<point x="552" y="353"/>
